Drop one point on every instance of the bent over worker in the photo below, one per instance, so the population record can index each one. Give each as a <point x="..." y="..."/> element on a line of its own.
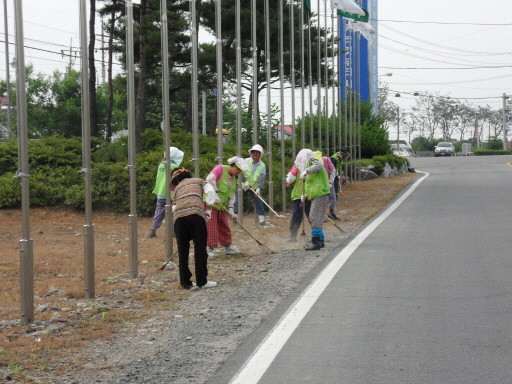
<point x="316" y="190"/>
<point x="190" y="225"/>
<point x="223" y="179"/>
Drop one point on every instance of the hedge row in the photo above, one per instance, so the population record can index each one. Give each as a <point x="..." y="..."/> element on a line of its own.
<point x="55" y="164"/>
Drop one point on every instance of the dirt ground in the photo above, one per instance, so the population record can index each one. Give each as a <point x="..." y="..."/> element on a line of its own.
<point x="65" y="323"/>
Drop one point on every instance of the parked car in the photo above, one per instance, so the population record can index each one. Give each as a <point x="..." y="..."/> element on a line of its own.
<point x="444" y="149"/>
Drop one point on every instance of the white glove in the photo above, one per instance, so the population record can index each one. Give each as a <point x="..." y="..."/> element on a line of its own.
<point x="246" y="185"/>
<point x="208" y="214"/>
<point x="173" y="208"/>
<point x="211" y="197"/>
<point x="303" y="198"/>
<point x="304" y="175"/>
<point x="258" y="191"/>
<point x="232" y="213"/>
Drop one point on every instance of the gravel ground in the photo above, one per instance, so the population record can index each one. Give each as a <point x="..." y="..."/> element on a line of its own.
<point x="189" y="345"/>
<point x="187" y="342"/>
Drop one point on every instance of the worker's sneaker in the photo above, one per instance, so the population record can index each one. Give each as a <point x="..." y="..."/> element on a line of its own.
<point x="332" y="216"/>
<point x="191" y="287"/>
<point x="229" y="250"/>
<point x="151" y="233"/>
<point x="212" y="252"/>
<point x="209" y="284"/>
<point x="264" y="224"/>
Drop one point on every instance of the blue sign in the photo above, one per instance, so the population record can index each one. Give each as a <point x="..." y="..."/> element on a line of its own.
<point x="510" y="118"/>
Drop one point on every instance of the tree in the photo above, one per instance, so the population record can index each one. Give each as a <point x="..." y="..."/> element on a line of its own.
<point x="206" y="13"/>
<point x="92" y="71"/>
<point x="113" y="10"/>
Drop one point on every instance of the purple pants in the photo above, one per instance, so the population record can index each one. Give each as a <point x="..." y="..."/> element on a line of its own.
<point x="159" y="213"/>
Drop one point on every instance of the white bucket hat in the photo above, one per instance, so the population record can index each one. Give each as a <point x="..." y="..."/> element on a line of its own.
<point x="175" y="155"/>
<point x="258" y="148"/>
<point x="239" y="162"/>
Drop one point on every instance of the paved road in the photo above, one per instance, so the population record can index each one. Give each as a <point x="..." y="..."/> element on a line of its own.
<point x="423" y="294"/>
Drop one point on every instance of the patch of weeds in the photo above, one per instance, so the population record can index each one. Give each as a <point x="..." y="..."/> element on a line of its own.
<point x="15" y="369"/>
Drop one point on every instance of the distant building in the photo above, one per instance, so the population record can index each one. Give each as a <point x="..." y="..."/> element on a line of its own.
<point x="285" y="130"/>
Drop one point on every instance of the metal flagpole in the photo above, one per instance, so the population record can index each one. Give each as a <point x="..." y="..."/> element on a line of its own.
<point x="89" y="280"/>
<point x="169" y="229"/>
<point x="269" y="106"/>
<point x="292" y="79"/>
<point x="326" y="75"/>
<point x="240" y="192"/>
<point x="26" y="243"/>
<point x="302" y="74"/>
<point x="319" y="86"/>
<point x="220" y="122"/>
<point x="334" y="85"/>
<point x="195" y="110"/>
<point x="203" y="113"/>
<point x="341" y="86"/>
<point x="310" y="70"/>
<point x="254" y="75"/>
<point x="281" y="86"/>
<point x="7" y="75"/>
<point x="132" y="217"/>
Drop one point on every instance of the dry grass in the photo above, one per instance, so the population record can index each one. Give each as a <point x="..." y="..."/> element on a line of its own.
<point x="58" y="273"/>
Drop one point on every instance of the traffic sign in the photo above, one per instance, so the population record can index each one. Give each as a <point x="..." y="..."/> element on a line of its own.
<point x="510" y="118"/>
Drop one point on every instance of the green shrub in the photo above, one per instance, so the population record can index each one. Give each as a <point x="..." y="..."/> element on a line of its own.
<point x="10" y="191"/>
<point x="55" y="151"/>
<point x="490" y="152"/>
<point x="379" y="162"/>
<point x="9" y="156"/>
<point x="111" y="152"/>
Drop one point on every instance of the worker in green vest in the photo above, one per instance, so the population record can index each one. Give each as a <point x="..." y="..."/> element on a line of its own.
<point x="160" y="190"/>
<point x="316" y="190"/>
<point x="254" y="181"/>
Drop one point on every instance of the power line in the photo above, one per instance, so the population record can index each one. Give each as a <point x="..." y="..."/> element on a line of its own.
<point x="437" y="53"/>
<point x="443" y="46"/>
<point x="442" y="22"/>
<point x="476" y="67"/>
<point x="423" y="57"/>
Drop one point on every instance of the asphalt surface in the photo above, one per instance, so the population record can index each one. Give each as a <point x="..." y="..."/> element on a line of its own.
<point x="423" y="293"/>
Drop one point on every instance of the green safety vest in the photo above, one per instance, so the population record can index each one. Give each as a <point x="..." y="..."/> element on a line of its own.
<point x="161" y="184"/>
<point x="249" y="176"/>
<point x="225" y="188"/>
<point x="297" y="188"/>
<point x="317" y="184"/>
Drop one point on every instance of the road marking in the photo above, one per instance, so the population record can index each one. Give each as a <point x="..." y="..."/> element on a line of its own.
<point x="257" y="364"/>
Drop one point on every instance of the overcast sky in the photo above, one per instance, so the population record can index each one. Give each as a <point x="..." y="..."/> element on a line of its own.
<point x="462" y="37"/>
<point x="465" y="46"/>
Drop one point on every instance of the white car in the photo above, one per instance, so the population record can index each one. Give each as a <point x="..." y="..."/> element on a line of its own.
<point x="444" y="149"/>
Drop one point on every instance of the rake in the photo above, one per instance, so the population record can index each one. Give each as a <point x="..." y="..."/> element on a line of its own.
<point x="333" y="223"/>
<point x="245" y="229"/>
<point x="269" y="207"/>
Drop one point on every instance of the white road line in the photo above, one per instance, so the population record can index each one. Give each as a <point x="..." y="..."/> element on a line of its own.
<point x="258" y="363"/>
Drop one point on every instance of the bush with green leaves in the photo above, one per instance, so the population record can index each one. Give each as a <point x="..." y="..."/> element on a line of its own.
<point x="394" y="161"/>
<point x="490" y="152"/>
<point x="56" y="162"/>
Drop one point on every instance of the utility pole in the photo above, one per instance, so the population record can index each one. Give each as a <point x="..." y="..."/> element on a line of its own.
<point x="505" y="144"/>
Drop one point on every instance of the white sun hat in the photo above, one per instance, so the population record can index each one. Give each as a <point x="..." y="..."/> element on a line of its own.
<point x="258" y="148"/>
